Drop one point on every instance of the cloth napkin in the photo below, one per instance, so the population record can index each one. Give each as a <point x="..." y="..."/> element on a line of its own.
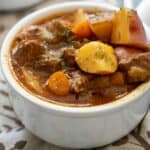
<point x="14" y="136"/>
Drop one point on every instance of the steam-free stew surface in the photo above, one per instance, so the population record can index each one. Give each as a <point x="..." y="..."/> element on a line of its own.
<point x="82" y="58"/>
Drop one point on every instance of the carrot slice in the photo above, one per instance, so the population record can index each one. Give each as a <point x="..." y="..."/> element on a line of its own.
<point x="59" y="84"/>
<point x="81" y="27"/>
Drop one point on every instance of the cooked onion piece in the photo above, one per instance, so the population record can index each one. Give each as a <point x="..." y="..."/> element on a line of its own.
<point x="31" y="80"/>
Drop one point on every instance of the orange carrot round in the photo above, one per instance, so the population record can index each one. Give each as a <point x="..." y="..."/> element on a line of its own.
<point x="82" y="29"/>
<point x="58" y="84"/>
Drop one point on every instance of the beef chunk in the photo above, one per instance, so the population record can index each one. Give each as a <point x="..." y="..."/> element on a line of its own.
<point x="48" y="62"/>
<point x="138" y="74"/>
<point x="141" y="60"/>
<point x="78" y="42"/>
<point x="27" y="51"/>
<point x="57" y="25"/>
<point x="135" y="65"/>
<point x="99" y="82"/>
<point x="139" y="68"/>
<point x="78" y="81"/>
<point x="60" y="29"/>
<point x="126" y="53"/>
<point x="115" y="91"/>
<point x="69" y="56"/>
<point x="52" y="32"/>
<point x="118" y="78"/>
<point x="35" y="32"/>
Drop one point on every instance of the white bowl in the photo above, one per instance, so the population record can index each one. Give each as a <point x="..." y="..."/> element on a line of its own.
<point x="70" y="126"/>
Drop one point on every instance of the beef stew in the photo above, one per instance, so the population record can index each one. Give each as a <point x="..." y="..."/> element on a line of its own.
<point x="82" y="58"/>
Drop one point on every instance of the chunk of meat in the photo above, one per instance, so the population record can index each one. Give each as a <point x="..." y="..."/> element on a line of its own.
<point x="137" y="74"/>
<point x="141" y="60"/>
<point x="51" y="32"/>
<point x="57" y="24"/>
<point x="27" y="51"/>
<point x="115" y="91"/>
<point x="69" y="56"/>
<point x="77" y="42"/>
<point x="135" y="65"/>
<point x="104" y="95"/>
<point x="118" y="78"/>
<point x="139" y="70"/>
<point x="126" y="53"/>
<point x="78" y="81"/>
<point x="60" y="29"/>
<point x="99" y="82"/>
<point x="48" y="62"/>
<point x="35" y="32"/>
<point x="81" y="82"/>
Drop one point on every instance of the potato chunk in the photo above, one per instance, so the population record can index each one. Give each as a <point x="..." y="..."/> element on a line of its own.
<point x="101" y="25"/>
<point x="128" y="29"/>
<point x="97" y="58"/>
<point x="31" y="80"/>
<point x="59" y="84"/>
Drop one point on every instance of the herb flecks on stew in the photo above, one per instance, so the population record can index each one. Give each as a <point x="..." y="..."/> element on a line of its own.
<point x="82" y="58"/>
